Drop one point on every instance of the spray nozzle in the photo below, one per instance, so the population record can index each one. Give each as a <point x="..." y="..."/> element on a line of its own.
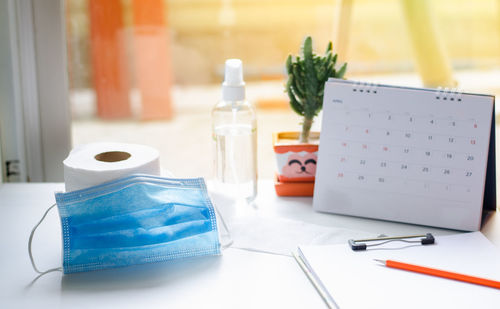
<point x="233" y="75"/>
<point x="233" y="87"/>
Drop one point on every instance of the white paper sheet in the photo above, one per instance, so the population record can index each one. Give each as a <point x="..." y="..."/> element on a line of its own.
<point x="355" y="280"/>
<point x="282" y="236"/>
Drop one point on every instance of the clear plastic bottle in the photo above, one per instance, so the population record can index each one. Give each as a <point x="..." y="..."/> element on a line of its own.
<point x="234" y="131"/>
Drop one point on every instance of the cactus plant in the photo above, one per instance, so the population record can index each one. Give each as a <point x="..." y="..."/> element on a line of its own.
<point x="307" y="74"/>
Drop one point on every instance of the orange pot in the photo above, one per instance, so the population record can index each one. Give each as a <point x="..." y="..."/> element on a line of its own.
<point x="296" y="162"/>
<point x="294" y="188"/>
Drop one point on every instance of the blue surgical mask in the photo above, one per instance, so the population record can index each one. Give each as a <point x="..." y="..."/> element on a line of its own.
<point x="135" y="220"/>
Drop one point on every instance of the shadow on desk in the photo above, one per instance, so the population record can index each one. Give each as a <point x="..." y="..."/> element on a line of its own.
<point x="139" y="276"/>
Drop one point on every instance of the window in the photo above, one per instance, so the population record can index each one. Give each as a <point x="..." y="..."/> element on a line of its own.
<point x="172" y="53"/>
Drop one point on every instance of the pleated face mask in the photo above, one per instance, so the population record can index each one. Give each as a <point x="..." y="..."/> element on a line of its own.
<point x="135" y="220"/>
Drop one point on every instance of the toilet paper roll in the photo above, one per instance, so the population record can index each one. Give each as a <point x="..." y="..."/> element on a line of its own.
<point x="95" y="163"/>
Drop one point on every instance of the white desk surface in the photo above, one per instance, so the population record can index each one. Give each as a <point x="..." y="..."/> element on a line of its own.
<point x="237" y="279"/>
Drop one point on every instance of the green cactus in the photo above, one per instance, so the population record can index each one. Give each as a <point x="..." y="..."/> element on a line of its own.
<point x="306" y="82"/>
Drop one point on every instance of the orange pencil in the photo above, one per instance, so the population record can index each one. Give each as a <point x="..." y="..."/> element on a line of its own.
<point x="441" y="273"/>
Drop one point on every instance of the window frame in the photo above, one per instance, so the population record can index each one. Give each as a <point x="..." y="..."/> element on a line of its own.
<point x="41" y="112"/>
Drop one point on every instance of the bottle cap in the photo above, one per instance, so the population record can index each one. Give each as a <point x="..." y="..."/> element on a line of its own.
<point x="233" y="87"/>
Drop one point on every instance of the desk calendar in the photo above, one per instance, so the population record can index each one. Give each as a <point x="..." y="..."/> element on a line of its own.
<point x="404" y="154"/>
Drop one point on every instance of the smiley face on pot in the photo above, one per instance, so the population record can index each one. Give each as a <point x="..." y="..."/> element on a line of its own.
<point x="300" y="165"/>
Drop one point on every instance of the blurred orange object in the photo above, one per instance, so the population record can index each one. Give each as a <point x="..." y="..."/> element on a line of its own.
<point x="109" y="61"/>
<point x="272" y="103"/>
<point x="152" y="59"/>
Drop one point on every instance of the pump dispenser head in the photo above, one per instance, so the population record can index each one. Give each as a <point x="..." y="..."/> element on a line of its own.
<point x="233" y="87"/>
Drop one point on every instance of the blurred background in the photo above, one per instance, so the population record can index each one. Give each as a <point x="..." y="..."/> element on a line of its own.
<point x="150" y="71"/>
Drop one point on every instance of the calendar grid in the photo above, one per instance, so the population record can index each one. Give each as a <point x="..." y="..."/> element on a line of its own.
<point x="465" y="155"/>
<point x="399" y="163"/>
<point x="432" y="133"/>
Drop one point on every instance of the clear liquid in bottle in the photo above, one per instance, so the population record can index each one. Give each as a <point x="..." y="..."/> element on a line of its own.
<point x="236" y="161"/>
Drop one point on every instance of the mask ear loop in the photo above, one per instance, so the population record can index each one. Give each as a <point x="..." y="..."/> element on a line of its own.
<point x="228" y="234"/>
<point x="31" y="240"/>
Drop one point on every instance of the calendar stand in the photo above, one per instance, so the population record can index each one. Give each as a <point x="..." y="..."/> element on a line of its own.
<point x="415" y="155"/>
<point x="490" y="195"/>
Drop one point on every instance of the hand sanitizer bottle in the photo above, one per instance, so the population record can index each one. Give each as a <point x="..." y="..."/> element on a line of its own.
<point x="234" y="131"/>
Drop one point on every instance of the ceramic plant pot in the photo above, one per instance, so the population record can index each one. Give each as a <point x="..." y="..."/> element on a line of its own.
<point x="294" y="188"/>
<point x="296" y="163"/>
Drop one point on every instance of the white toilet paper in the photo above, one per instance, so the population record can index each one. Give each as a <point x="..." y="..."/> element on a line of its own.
<point x="95" y="163"/>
